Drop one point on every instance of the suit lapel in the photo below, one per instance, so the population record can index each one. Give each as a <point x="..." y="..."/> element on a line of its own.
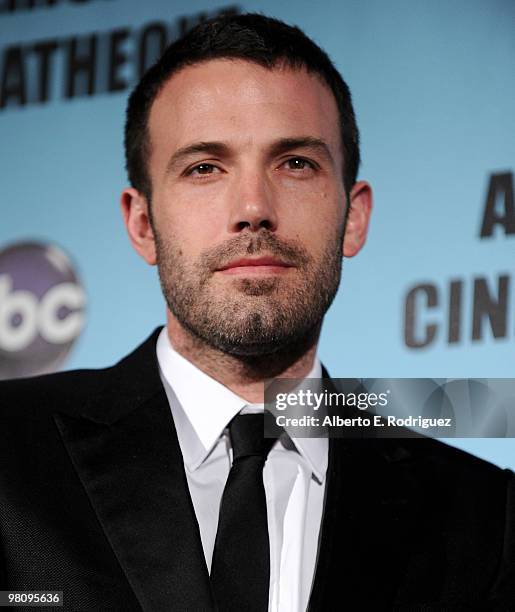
<point x="330" y="522"/>
<point x="127" y="455"/>
<point x="368" y="526"/>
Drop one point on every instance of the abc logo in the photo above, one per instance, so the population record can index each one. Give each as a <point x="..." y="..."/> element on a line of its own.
<point x="41" y="309"/>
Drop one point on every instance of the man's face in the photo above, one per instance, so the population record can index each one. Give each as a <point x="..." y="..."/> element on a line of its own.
<point x="248" y="203"/>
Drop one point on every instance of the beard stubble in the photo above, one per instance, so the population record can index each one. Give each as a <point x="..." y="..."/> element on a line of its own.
<point x="250" y="317"/>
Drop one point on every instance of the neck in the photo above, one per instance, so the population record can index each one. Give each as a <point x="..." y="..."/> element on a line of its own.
<point x="243" y="375"/>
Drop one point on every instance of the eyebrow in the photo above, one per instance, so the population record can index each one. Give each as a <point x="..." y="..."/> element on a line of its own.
<point x="218" y="149"/>
<point x="221" y="149"/>
<point x="302" y="142"/>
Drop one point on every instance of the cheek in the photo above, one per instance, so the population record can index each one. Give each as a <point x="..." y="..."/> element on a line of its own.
<point x="314" y="218"/>
<point x="196" y="213"/>
<point x="188" y="232"/>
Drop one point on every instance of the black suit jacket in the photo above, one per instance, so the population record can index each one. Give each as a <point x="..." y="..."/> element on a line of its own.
<point x="94" y="502"/>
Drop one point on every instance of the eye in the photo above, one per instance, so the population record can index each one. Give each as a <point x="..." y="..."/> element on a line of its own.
<point x="203" y="170"/>
<point x="298" y="164"/>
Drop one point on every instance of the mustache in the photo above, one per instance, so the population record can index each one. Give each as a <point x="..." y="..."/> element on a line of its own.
<point x="266" y="243"/>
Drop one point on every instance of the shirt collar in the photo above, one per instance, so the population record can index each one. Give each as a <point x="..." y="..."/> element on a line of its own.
<point x="202" y="407"/>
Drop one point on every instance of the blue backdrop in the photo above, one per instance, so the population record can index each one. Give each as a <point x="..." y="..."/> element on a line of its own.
<point x="434" y="89"/>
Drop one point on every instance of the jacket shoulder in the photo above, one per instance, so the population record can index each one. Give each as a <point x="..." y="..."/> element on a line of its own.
<point x="442" y="457"/>
<point x="454" y="477"/>
<point x="134" y="375"/>
<point x="22" y="397"/>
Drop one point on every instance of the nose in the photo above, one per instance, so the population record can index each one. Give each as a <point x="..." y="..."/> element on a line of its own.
<point x="253" y="204"/>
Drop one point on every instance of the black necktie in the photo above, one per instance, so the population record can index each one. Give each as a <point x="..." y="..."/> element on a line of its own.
<point x="240" y="571"/>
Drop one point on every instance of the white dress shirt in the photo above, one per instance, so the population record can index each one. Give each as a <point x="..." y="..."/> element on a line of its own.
<point x="294" y="475"/>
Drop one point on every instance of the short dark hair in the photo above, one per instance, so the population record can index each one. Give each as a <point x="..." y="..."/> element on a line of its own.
<point x="251" y="37"/>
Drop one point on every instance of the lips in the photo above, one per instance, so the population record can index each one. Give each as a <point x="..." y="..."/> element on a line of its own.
<point x="256" y="265"/>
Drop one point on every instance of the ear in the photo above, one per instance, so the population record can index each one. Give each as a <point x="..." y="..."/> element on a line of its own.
<point x="360" y="207"/>
<point x="135" y="210"/>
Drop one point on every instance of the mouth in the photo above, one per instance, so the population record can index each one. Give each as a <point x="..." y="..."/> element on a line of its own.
<point x="256" y="266"/>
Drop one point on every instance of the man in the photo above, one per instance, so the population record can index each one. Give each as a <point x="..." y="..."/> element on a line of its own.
<point x="140" y="486"/>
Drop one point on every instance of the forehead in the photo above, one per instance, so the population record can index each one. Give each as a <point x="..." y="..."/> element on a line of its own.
<point x="241" y="102"/>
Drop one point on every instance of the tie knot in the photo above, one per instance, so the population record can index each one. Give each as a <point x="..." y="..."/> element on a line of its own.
<point x="248" y="436"/>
